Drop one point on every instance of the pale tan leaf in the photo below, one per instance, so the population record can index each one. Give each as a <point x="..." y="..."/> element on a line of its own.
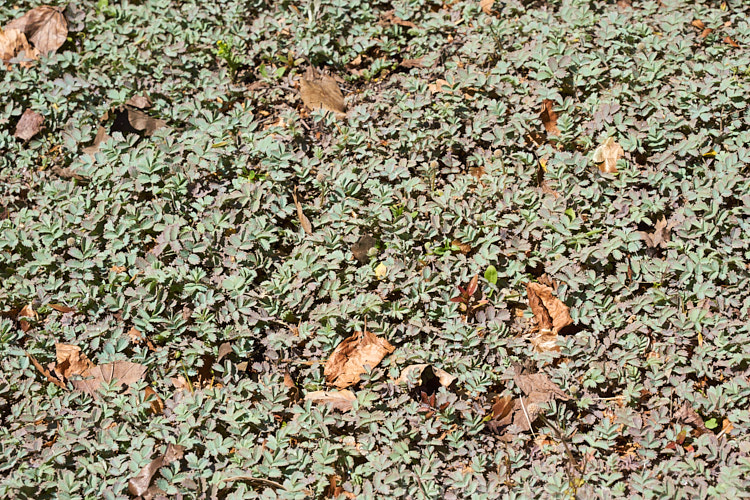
<point x="349" y="358"/>
<point x="12" y="43"/>
<point x="45" y="27"/>
<point x="607" y="154"/>
<point x="339" y="400"/>
<point x="550" y="312"/>
<point x="486" y="6"/>
<point x="321" y="91"/>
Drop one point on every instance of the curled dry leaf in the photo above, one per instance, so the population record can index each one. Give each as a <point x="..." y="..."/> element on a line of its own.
<point x="13" y="43"/>
<point x="486" y="6"/>
<point x="157" y="405"/>
<point x="731" y="42"/>
<point x="138" y="485"/>
<point x="698" y="24"/>
<point x="339" y="400"/>
<point x="445" y="378"/>
<point x="607" y="154"/>
<point x="29" y="125"/>
<point x="549" y="117"/>
<point x="349" y="358"/>
<point x="321" y="91"/>
<point x="303" y="220"/>
<point x="45" y="27"/>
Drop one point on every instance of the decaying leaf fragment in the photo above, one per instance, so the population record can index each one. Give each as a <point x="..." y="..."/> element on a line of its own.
<point x="339" y="400"/>
<point x="44" y="26"/>
<point x="321" y="91"/>
<point x="29" y="125"/>
<point x="27" y="311"/>
<point x="349" y="358"/>
<point x="71" y="361"/>
<point x="607" y="154"/>
<point x="139" y="484"/>
<point x="361" y="249"/>
<point x="303" y="220"/>
<point x="486" y="6"/>
<point x="551" y="316"/>
<point x="130" y="118"/>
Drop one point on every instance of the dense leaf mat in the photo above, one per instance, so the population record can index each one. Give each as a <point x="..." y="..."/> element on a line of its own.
<point x="172" y="241"/>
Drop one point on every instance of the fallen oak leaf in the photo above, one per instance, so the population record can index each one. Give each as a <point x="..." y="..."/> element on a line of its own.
<point x="45" y="27"/>
<point x="138" y="485"/>
<point x="349" y="358"/>
<point x="29" y="125"/>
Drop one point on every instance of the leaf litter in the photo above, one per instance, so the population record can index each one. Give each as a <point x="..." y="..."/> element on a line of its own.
<point x="352" y="355"/>
<point x="551" y="315"/>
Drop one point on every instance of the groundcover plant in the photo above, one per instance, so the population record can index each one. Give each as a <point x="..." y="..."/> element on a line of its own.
<point x="374" y="249"/>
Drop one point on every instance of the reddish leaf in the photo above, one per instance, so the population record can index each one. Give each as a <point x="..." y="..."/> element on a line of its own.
<point x="45" y="372"/>
<point x="71" y="361"/>
<point x="472" y="285"/>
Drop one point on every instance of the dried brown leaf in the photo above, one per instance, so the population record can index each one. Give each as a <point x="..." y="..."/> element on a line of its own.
<point x="445" y="378"/>
<point x="12" y="43"/>
<point x="339" y="400"/>
<point x="659" y="237"/>
<point x="687" y="415"/>
<point x="389" y="17"/>
<point x="124" y="372"/>
<point x="348" y="360"/>
<point x="413" y="63"/>
<point x="321" y="91"/>
<point x="138" y="485"/>
<point x="549" y="117"/>
<point x="486" y="6"/>
<point x="29" y="125"/>
<point x="139" y="102"/>
<point x="706" y="32"/>
<point x="303" y="220"/>
<point x="143" y="122"/>
<point x="26" y="311"/>
<point x="550" y="312"/>
<point x="538" y="390"/>
<point x="71" y="361"/>
<point x="502" y="411"/>
<point x="731" y="42"/>
<point x="607" y="154"/>
<point x="464" y="248"/>
<point x="45" y="372"/>
<point x="361" y="249"/>
<point x="157" y="405"/>
<point x="438" y="86"/>
<point x="62" y="308"/>
<point x="698" y="24"/>
<point x="45" y="27"/>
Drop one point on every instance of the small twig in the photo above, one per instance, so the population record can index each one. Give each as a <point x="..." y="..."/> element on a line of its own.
<point x="257" y="480"/>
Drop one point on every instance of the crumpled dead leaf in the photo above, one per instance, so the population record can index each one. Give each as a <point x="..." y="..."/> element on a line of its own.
<point x="29" y="125"/>
<point x="660" y="236"/>
<point x="321" y="91"/>
<point x="549" y="117"/>
<point x="551" y="314"/>
<point x="139" y="484"/>
<point x="348" y="360"/>
<point x="486" y="6"/>
<point x="45" y="27"/>
<point x="339" y="400"/>
<point x="607" y="154"/>
<point x="303" y="220"/>
<point x="426" y="370"/>
<point x="13" y="43"/>
<point x="521" y="412"/>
